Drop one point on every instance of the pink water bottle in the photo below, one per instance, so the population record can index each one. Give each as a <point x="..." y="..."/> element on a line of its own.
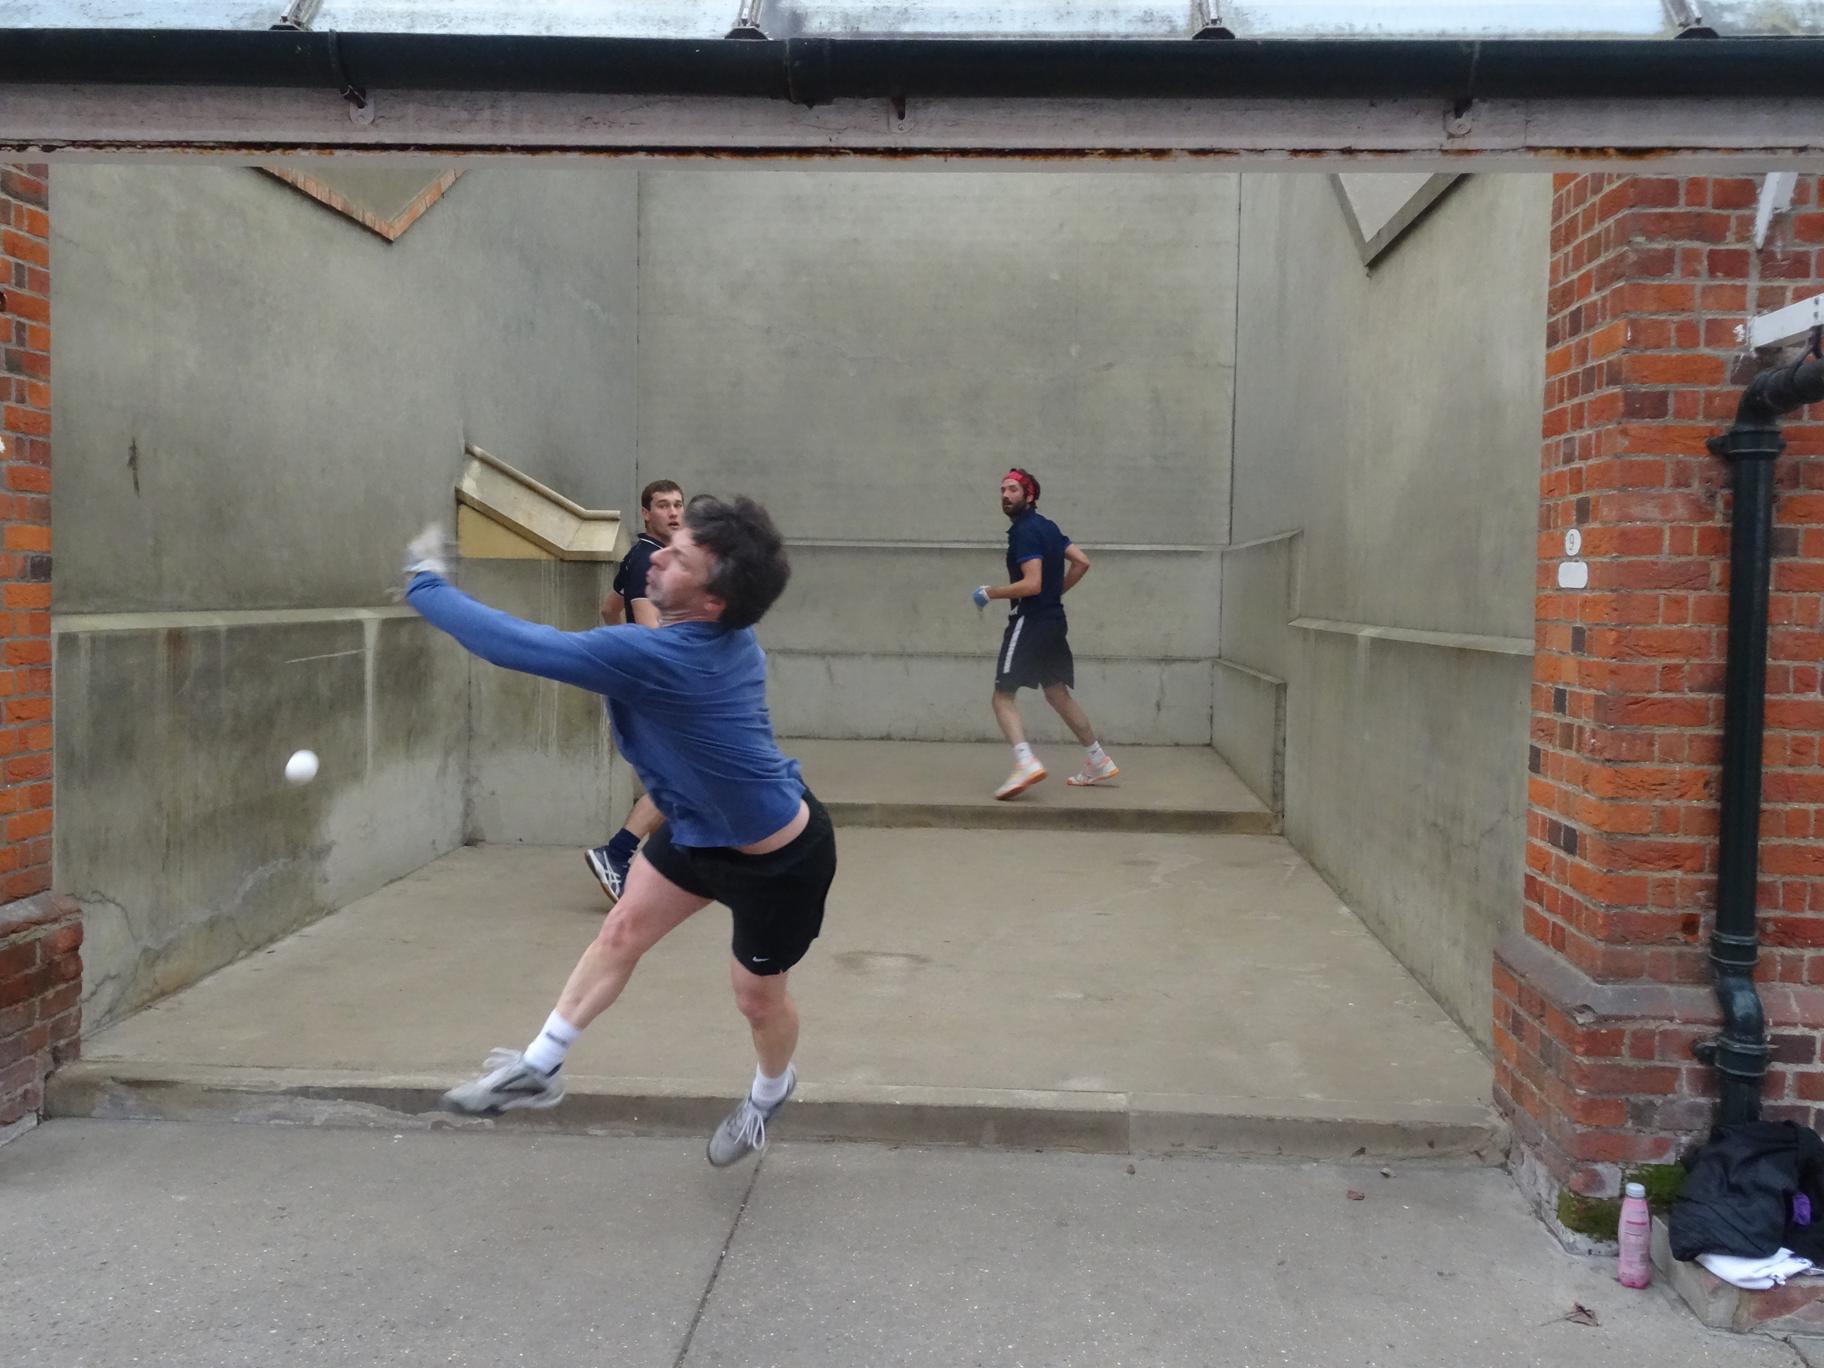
<point x="1636" y="1236"/>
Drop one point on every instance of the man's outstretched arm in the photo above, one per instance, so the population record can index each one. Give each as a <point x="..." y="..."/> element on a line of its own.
<point x="594" y="660"/>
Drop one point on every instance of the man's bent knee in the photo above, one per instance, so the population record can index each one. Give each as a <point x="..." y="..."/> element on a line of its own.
<point x="760" y="999"/>
<point x="624" y="935"/>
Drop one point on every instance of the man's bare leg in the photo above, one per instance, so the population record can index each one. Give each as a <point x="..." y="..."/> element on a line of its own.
<point x="1007" y="713"/>
<point x="1097" y="767"/>
<point x="772" y="1016"/>
<point x="651" y="908"/>
<point x="1064" y="704"/>
<point x="1027" y="771"/>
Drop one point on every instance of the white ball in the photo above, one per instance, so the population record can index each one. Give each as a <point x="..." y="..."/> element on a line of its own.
<point x="302" y="767"/>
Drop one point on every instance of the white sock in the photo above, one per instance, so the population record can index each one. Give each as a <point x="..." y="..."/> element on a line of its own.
<point x="1097" y="756"/>
<point x="769" y="1092"/>
<point x="548" y="1048"/>
<point x="1022" y="754"/>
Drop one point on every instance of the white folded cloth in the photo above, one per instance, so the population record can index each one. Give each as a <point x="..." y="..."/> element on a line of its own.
<point x="1757" y="1274"/>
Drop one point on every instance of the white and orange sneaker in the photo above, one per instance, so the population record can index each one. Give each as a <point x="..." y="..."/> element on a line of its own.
<point x="1025" y="774"/>
<point x="1094" y="772"/>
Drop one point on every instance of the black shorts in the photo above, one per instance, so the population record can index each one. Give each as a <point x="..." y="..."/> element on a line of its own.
<point x="777" y="898"/>
<point x="1035" y="652"/>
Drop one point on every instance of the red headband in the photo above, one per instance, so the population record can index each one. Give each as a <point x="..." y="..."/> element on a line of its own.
<point x="1026" y="482"/>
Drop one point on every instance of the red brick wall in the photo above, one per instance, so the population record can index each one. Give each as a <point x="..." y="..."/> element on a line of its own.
<point x="25" y="532"/>
<point x="1599" y="1000"/>
<point x="40" y="969"/>
<point x="40" y="992"/>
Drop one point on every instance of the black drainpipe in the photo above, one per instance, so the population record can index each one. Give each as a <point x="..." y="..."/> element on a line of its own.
<point x="1751" y="446"/>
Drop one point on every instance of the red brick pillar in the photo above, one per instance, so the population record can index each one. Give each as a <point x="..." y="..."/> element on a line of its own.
<point x="40" y="965"/>
<point x="1599" y="999"/>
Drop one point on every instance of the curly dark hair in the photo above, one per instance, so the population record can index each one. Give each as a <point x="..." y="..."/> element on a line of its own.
<point x="751" y="568"/>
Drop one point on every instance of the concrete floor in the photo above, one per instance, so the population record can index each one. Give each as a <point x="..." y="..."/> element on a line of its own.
<point x="1132" y="991"/>
<point x="212" y="1246"/>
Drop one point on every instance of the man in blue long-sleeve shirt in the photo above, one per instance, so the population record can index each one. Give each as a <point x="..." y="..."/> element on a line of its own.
<point x="687" y="702"/>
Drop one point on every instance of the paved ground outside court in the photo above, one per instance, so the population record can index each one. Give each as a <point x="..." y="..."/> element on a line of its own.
<point x="209" y="1245"/>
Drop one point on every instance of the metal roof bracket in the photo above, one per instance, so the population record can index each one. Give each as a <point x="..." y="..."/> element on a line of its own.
<point x="747" y="21"/>
<point x="1689" y="19"/>
<point x="1208" y="14"/>
<point x="298" y="15"/>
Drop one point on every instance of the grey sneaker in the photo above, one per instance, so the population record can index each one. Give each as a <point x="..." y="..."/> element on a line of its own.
<point x="508" y="1083"/>
<point x="743" y="1131"/>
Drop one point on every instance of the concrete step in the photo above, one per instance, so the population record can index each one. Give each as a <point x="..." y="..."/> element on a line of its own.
<point x="1173" y="789"/>
<point x="1795" y="1309"/>
<point x="1090" y="1122"/>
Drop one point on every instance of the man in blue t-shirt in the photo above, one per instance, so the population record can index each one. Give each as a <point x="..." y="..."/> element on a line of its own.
<point x="687" y="701"/>
<point x="1043" y="565"/>
<point x="662" y="511"/>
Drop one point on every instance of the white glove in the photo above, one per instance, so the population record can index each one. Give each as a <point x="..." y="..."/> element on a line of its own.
<point x="430" y="551"/>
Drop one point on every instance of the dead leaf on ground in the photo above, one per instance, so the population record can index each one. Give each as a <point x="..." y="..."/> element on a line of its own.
<point x="1355" y="1196"/>
<point x="1579" y="1314"/>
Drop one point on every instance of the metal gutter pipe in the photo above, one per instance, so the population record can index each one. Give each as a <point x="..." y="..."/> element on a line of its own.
<point x="812" y="71"/>
<point x="1741" y="1052"/>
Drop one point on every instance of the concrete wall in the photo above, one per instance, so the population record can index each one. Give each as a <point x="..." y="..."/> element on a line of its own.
<point x="258" y="401"/>
<point x="175" y="828"/>
<point x="1391" y="419"/>
<point x="867" y="353"/>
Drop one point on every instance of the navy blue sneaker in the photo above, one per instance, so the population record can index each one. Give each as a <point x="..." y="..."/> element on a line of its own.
<point x="610" y="872"/>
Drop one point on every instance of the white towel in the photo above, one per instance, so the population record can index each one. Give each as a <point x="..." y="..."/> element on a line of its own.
<point x="1756" y="1274"/>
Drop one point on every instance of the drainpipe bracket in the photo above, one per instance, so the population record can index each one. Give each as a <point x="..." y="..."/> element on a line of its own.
<point x="1748" y="442"/>
<point x="1737" y="1059"/>
<point x="360" y="111"/>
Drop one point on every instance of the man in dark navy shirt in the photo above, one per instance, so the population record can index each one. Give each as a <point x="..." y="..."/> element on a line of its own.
<point x="662" y="510"/>
<point x="1043" y="565"/>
